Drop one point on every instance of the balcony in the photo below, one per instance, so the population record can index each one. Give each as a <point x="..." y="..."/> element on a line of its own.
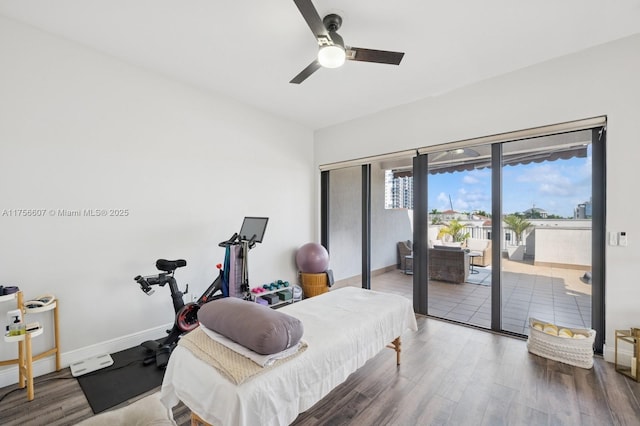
<point x="549" y="293"/>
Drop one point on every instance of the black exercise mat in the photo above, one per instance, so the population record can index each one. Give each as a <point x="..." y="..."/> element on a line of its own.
<point x="127" y="378"/>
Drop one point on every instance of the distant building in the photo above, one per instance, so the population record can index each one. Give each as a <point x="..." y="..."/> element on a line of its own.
<point x="535" y="213"/>
<point x="398" y="192"/>
<point x="448" y="215"/>
<point x="583" y="210"/>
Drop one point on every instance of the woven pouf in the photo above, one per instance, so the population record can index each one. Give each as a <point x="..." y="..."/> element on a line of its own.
<point x="314" y="284"/>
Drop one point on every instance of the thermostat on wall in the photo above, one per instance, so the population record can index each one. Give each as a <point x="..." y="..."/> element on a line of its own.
<point x="622" y="238"/>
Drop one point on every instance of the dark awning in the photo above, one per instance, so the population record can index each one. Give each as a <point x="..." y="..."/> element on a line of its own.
<point x="535" y="150"/>
<point x="509" y="160"/>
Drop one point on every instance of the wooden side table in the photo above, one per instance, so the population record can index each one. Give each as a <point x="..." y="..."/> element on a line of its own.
<point x="25" y="356"/>
<point x="629" y="339"/>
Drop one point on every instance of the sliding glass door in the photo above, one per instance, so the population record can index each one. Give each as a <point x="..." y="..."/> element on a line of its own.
<point x="514" y="241"/>
<point x="496" y="233"/>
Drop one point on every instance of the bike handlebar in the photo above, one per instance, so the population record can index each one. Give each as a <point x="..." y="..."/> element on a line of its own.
<point x="145" y="286"/>
<point x="230" y="241"/>
<point x="148" y="281"/>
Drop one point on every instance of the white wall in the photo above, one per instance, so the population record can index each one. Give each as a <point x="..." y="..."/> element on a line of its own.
<point x="599" y="81"/>
<point x="570" y="246"/>
<point x="345" y="222"/>
<point x="80" y="130"/>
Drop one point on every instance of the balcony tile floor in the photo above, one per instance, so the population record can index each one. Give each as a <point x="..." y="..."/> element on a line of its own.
<point x="550" y="294"/>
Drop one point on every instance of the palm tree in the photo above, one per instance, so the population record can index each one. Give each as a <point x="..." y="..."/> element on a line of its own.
<point x="518" y="224"/>
<point x="456" y="229"/>
<point x="435" y="217"/>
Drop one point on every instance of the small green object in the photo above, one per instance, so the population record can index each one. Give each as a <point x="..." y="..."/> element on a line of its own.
<point x="286" y="283"/>
<point x="284" y="295"/>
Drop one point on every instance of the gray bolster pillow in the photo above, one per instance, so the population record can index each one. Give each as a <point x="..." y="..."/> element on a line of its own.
<point x="254" y="326"/>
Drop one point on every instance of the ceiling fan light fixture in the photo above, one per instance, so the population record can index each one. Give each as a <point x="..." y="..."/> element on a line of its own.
<point x="332" y="56"/>
<point x="332" y="52"/>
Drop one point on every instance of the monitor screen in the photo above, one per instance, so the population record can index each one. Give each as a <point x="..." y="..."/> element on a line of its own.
<point x="253" y="226"/>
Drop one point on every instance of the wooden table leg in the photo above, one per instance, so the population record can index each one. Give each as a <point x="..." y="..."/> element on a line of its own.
<point x="56" y="335"/>
<point x="196" y="420"/>
<point x="29" y="367"/>
<point x="396" y="346"/>
<point x="21" y="365"/>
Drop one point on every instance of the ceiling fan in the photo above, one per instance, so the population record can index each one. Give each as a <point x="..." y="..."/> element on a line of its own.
<point x="332" y="51"/>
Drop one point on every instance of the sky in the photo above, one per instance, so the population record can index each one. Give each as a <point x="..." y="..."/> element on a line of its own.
<point x="555" y="186"/>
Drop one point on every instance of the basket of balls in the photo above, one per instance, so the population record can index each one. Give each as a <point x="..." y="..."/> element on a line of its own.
<point x="573" y="346"/>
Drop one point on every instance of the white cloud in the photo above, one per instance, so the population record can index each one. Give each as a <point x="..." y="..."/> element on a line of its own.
<point x="470" y="180"/>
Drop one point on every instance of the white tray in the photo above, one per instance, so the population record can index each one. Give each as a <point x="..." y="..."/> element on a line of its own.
<point x="44" y="308"/>
<point x="34" y="333"/>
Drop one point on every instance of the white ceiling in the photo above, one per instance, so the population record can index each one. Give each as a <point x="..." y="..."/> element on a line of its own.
<point x="249" y="50"/>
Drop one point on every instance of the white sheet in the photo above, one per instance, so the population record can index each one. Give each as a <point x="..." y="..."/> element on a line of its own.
<point x="344" y="328"/>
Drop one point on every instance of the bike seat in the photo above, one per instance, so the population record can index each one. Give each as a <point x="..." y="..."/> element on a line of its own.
<point x="170" y="265"/>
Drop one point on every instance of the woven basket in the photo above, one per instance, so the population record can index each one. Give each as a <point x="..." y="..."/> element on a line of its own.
<point x="313" y="284"/>
<point x="577" y="352"/>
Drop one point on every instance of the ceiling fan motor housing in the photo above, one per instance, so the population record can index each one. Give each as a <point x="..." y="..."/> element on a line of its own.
<point x="332" y="22"/>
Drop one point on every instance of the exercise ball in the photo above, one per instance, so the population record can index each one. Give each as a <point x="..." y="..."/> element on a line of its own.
<point x="312" y="258"/>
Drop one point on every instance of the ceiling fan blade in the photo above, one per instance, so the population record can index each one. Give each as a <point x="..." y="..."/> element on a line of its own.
<point x="310" y="14"/>
<point x="310" y="69"/>
<point x="370" y="55"/>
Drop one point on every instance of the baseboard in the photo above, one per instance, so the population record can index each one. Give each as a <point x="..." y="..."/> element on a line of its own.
<point x="9" y="376"/>
<point x="624" y="354"/>
<point x="584" y="268"/>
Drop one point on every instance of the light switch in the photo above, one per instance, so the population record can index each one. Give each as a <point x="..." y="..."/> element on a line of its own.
<point x="613" y="238"/>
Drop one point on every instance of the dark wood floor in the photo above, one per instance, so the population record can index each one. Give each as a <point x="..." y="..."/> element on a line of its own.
<point x="450" y="375"/>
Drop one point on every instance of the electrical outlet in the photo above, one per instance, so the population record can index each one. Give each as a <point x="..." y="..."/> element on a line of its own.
<point x="622" y="239"/>
<point x="613" y="238"/>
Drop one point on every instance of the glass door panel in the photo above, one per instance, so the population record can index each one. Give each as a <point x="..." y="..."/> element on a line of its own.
<point x="345" y="225"/>
<point x="546" y="231"/>
<point x="392" y="226"/>
<point x="459" y="235"/>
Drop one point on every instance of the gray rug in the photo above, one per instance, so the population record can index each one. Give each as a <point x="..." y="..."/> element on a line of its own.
<point x="127" y="378"/>
<point x="483" y="277"/>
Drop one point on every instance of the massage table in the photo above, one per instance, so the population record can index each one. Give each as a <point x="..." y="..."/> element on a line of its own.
<point x="342" y="329"/>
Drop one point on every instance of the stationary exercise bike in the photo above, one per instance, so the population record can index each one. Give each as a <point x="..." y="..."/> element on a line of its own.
<point x="186" y="314"/>
<point x="225" y="285"/>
